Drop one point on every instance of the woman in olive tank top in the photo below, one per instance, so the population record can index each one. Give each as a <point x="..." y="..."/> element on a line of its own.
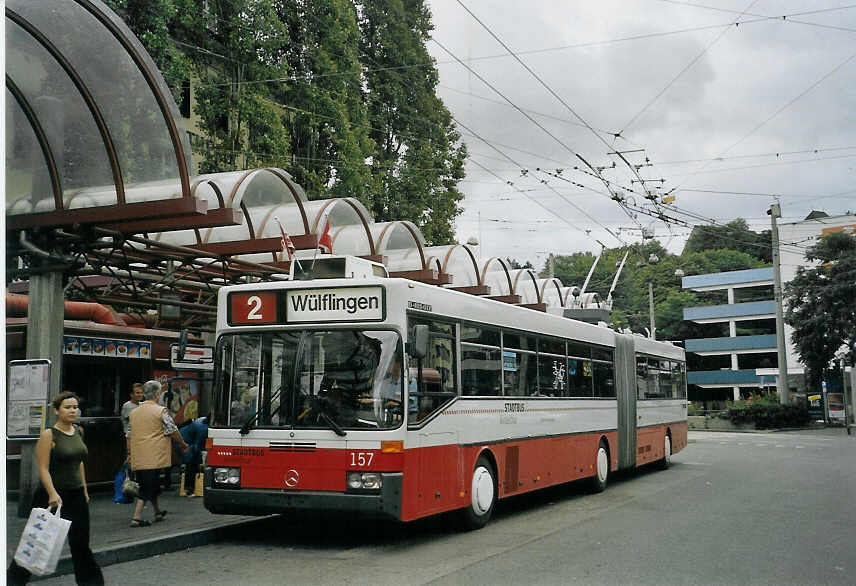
<point x="60" y="452"/>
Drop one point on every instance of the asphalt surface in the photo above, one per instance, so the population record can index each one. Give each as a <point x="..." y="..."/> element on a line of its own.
<point x="775" y="508"/>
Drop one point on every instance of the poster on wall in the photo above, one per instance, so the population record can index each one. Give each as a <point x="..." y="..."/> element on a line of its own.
<point x="27" y="397"/>
<point x="87" y="346"/>
<point x="180" y="394"/>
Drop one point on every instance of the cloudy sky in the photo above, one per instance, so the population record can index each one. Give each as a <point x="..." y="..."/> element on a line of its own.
<point x="728" y="115"/>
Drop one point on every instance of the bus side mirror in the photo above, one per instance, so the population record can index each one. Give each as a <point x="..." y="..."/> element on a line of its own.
<point x="418" y="345"/>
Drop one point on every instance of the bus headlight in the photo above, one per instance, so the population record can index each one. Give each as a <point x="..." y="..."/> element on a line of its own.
<point x="228" y="477"/>
<point x="364" y="481"/>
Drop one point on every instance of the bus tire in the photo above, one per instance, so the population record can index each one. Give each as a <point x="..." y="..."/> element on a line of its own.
<point x="482" y="496"/>
<point x="666" y="461"/>
<point x="601" y="473"/>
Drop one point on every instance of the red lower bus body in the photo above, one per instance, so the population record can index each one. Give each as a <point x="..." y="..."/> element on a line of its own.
<point x="418" y="482"/>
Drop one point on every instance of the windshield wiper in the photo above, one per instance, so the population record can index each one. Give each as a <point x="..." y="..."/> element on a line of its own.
<point x="245" y="429"/>
<point x="316" y="405"/>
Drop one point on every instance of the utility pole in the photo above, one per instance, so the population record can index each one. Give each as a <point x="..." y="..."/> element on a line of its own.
<point x="782" y="387"/>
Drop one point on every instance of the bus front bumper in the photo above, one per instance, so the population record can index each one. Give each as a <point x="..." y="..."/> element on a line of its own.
<point x="254" y="501"/>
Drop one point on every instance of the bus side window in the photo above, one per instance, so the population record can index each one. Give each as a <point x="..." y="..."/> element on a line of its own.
<point x="438" y="385"/>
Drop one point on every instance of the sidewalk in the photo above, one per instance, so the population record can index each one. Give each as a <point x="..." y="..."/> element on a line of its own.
<point x="187" y="524"/>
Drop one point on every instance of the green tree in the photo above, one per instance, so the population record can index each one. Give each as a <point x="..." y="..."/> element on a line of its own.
<point x="734" y="235"/>
<point x="329" y="125"/>
<point x="153" y="22"/>
<point x="418" y="160"/>
<point x="237" y="49"/>
<point x="821" y="304"/>
<point x="513" y="264"/>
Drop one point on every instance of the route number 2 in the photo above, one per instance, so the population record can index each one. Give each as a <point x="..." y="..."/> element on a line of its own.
<point x="361" y="458"/>
<point x="258" y="307"/>
<point x="255" y="305"/>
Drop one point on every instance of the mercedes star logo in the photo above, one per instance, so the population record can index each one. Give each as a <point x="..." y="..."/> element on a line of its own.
<point x="292" y="478"/>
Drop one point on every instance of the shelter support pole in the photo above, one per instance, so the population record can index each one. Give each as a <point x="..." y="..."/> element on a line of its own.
<point x="44" y="340"/>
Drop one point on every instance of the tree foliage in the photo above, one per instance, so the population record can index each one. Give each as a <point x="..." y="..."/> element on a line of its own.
<point x="419" y="157"/>
<point x="821" y="303"/>
<point x="734" y="235"/>
<point x="339" y="93"/>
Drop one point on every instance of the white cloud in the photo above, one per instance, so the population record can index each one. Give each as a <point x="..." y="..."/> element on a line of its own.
<point x="746" y="76"/>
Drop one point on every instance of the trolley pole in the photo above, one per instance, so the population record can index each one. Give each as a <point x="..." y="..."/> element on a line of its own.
<point x="782" y="387"/>
<point x="651" y="310"/>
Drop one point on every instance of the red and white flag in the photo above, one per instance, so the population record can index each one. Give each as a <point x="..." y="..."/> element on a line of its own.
<point x="287" y="246"/>
<point x="325" y="242"/>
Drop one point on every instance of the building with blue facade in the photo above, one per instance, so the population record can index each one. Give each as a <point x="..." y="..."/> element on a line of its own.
<point x="742" y="328"/>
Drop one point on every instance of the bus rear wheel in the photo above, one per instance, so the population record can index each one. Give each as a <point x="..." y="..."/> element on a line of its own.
<point x="601" y="474"/>
<point x="482" y="496"/>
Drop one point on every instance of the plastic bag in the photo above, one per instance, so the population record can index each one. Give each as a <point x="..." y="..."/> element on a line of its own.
<point x="130" y="488"/>
<point x="119" y="496"/>
<point x="42" y="541"/>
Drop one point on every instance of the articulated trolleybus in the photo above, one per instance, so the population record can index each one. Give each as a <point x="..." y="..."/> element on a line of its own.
<point x="401" y="399"/>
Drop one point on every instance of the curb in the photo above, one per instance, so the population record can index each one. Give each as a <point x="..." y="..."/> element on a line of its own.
<point x="145" y="548"/>
<point x="775" y="430"/>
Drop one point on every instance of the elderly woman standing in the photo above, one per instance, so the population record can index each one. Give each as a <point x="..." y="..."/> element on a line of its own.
<point x="60" y="452"/>
<point x="150" y="449"/>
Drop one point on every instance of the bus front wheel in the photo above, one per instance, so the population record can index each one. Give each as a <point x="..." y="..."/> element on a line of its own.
<point x="601" y="475"/>
<point x="482" y="496"/>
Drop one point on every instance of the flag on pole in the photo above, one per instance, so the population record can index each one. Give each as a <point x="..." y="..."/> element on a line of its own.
<point x="287" y="246"/>
<point x="325" y="242"/>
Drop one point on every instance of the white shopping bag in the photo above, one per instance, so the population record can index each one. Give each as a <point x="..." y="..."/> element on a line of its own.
<point x="42" y="541"/>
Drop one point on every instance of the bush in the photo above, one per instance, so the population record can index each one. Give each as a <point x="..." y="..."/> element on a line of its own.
<point x="765" y="412"/>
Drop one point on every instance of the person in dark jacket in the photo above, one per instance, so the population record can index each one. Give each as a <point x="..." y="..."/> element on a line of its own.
<point x="194" y="435"/>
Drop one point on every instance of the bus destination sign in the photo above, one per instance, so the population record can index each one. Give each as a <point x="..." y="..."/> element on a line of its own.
<point x="341" y="304"/>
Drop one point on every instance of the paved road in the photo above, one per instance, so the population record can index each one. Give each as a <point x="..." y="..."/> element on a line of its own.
<point x="734" y="509"/>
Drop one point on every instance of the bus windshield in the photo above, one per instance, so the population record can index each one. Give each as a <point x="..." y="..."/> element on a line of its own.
<point x="337" y="379"/>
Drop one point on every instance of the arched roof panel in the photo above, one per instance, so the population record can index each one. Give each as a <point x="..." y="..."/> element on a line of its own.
<point x="27" y="171"/>
<point x="352" y="239"/>
<point x="393" y="240"/>
<point x="525" y="283"/>
<point x="551" y="292"/>
<point x="495" y="274"/>
<point x="457" y="260"/>
<point x="69" y="127"/>
<point x="407" y="259"/>
<point x="107" y="117"/>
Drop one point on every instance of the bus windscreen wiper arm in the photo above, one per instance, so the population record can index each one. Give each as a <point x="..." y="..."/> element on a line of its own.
<point x="316" y="405"/>
<point x="245" y="429"/>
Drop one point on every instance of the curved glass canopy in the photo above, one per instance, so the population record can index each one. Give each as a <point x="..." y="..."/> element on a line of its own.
<point x="90" y="121"/>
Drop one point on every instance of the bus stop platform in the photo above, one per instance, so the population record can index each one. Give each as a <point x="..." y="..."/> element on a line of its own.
<point x="187" y="524"/>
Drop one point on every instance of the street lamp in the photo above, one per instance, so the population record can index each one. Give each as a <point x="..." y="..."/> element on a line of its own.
<point x="652" y="326"/>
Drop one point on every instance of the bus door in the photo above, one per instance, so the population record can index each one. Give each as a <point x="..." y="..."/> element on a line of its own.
<point x="438" y="466"/>
<point x="625" y="387"/>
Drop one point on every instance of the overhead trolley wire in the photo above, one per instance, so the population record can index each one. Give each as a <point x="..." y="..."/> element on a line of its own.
<point x="773" y="115"/>
<point x="684" y="70"/>
<point x="553" y="212"/>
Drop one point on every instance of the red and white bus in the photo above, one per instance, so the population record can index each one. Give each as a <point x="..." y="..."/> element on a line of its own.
<point x="402" y="399"/>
